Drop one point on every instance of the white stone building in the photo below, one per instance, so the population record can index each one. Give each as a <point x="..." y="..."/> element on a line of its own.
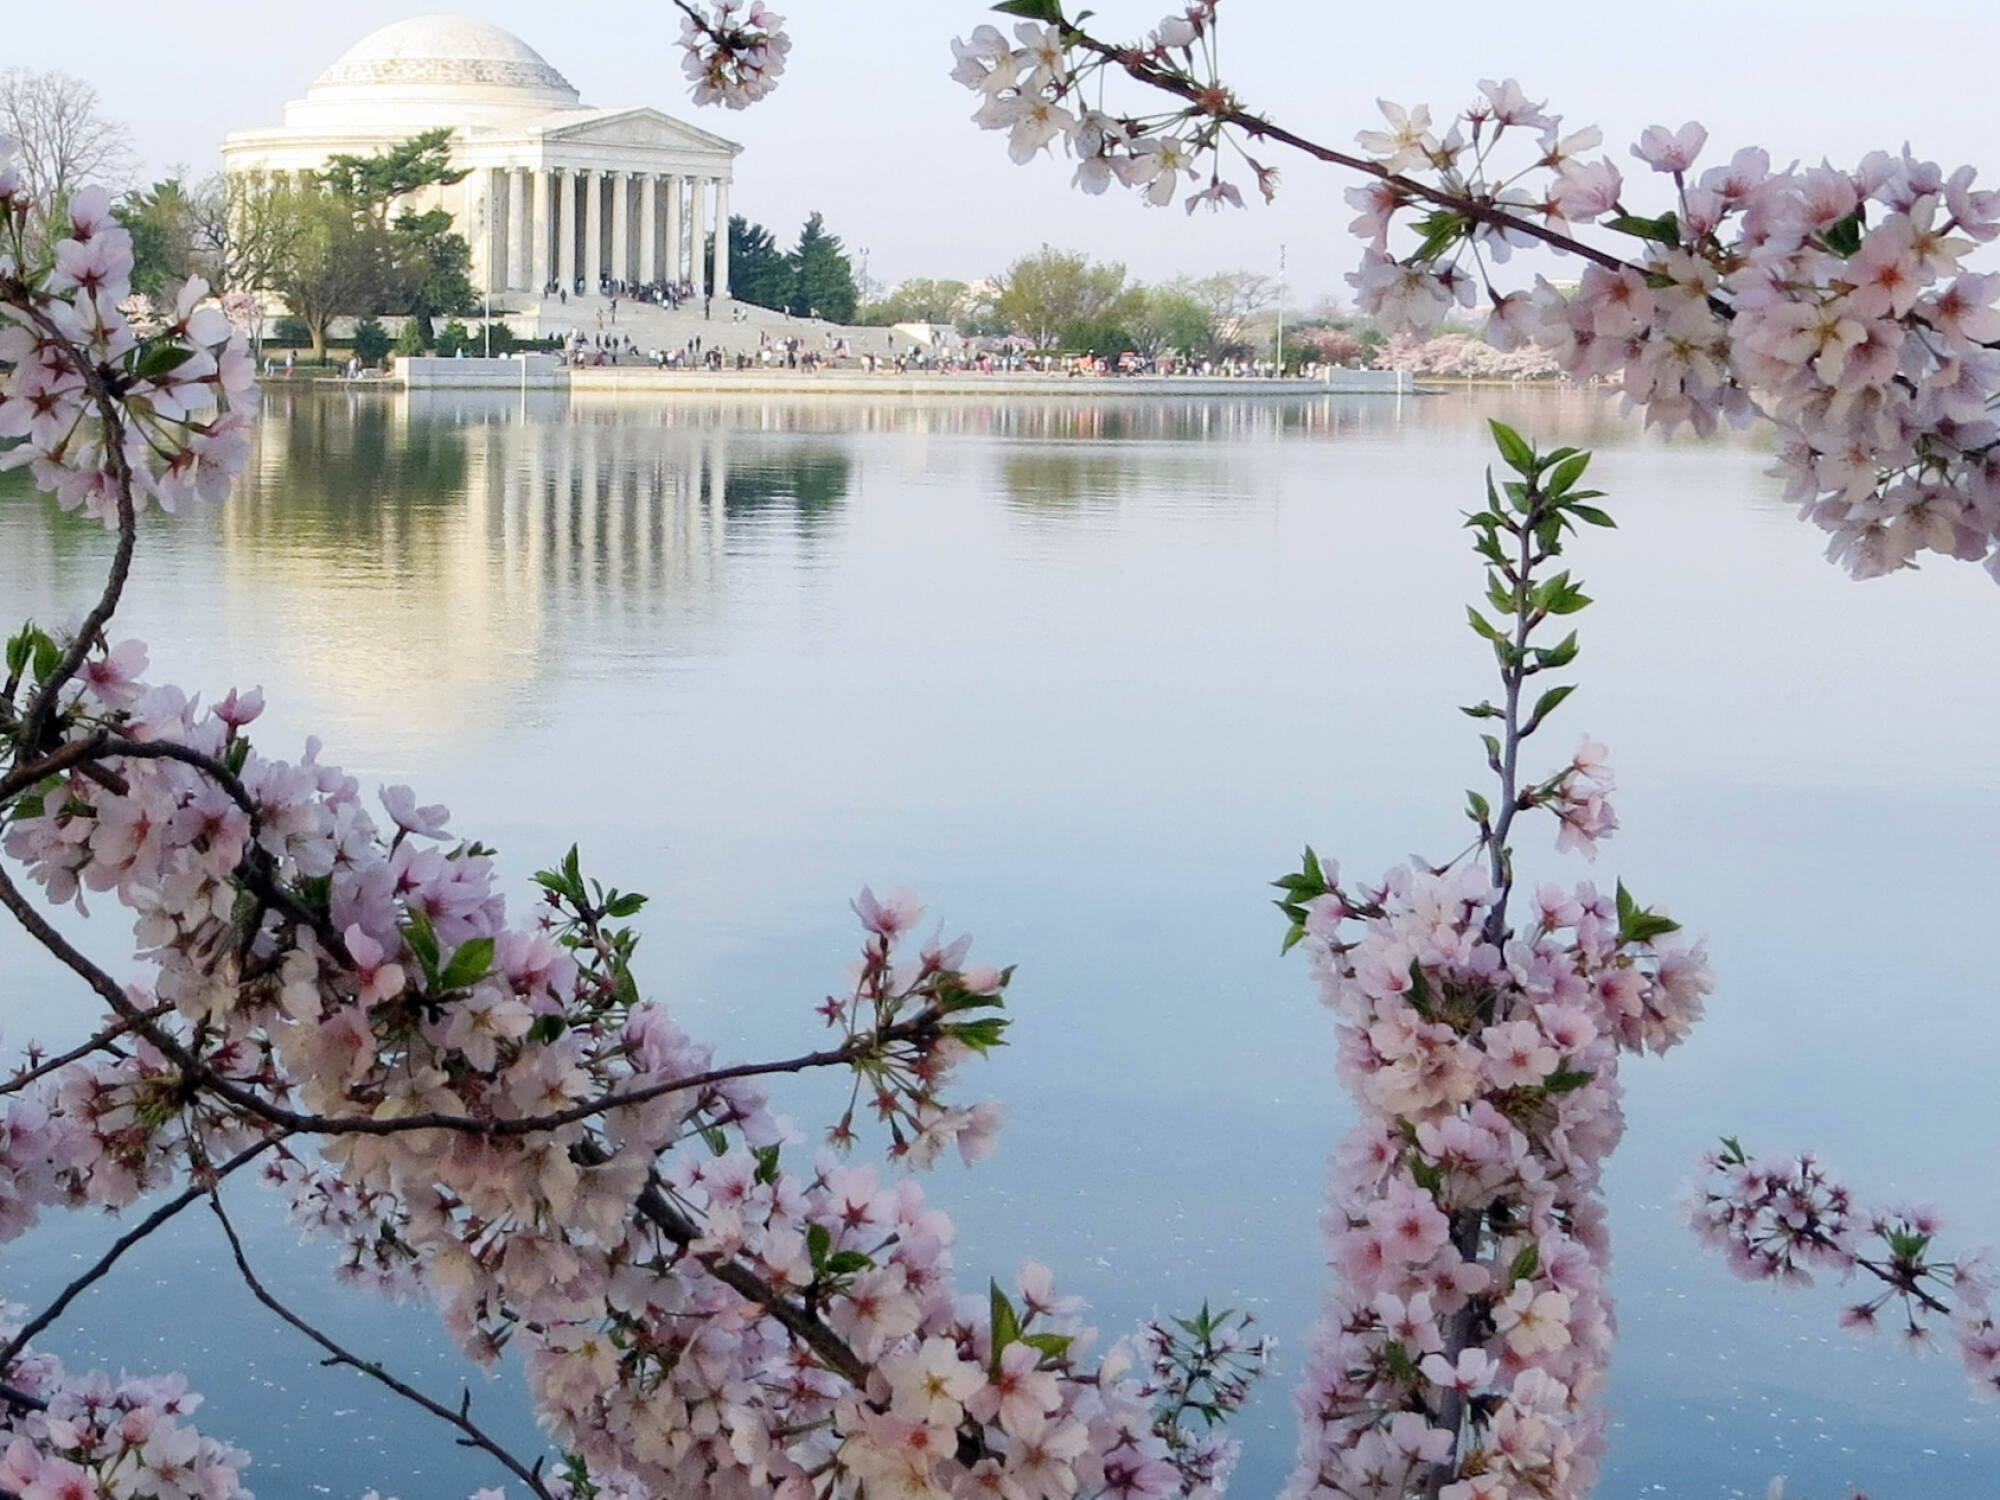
<point x="557" y="194"/>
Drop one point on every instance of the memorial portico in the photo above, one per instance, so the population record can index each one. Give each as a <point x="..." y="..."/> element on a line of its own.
<point x="556" y="194"/>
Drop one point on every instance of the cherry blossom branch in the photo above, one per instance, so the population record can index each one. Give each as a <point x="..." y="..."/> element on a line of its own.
<point x="101" y="1042"/>
<point x="919" y="1028"/>
<point x="474" y="1436"/>
<point x="1779" y="1220"/>
<point x="658" y="1210"/>
<point x="18" y="295"/>
<point x="204" y="1184"/>
<point x="1221" y="106"/>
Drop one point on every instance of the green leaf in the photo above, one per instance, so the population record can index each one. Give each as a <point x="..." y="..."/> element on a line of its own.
<point x="981" y="1035"/>
<point x="162" y="359"/>
<point x="1566" y="474"/>
<point x="1514" y="448"/>
<point x="1441" y="230"/>
<point x="847" y="1262"/>
<point x="1052" y="1345"/>
<point x="1844" y="238"/>
<point x="1561" y="654"/>
<point x="471" y="963"/>
<point x="819" y="1240"/>
<point x="1638" y="925"/>
<point x="1546" y="704"/>
<point x="422" y="938"/>
<point x="1006" y="1326"/>
<point x="1589" y="513"/>
<point x="1478" y="807"/>
<point x="48" y="655"/>
<point x="1665" y="230"/>
<point x="1481" y="711"/>
<point x="767" y="1164"/>
<point x="1421" y="996"/>
<point x="1482" y="626"/>
<point x="1527" y="1260"/>
<point x="1567" y="1080"/>
<point x="1033" y="10"/>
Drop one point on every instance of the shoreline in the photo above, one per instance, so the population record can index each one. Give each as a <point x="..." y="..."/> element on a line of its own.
<point x="542" y="373"/>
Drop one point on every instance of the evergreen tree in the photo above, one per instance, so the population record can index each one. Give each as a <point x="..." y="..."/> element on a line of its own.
<point x="759" y="271"/>
<point x="823" y="285"/>
<point x="161" y="220"/>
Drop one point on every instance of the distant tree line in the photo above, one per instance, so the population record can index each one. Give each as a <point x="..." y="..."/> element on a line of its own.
<point x="1063" y="301"/>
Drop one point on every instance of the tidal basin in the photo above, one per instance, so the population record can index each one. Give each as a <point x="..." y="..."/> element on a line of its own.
<point x="1086" y="675"/>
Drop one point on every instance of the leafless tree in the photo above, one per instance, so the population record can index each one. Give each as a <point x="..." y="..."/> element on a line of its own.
<point x="63" y="141"/>
<point x="246" y="227"/>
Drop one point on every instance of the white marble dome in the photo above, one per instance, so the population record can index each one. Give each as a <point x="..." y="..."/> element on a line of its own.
<point x="429" y="71"/>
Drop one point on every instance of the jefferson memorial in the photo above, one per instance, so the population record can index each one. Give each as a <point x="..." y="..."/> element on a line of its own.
<point x="557" y="194"/>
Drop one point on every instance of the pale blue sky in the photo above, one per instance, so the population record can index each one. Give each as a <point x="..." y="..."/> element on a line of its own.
<point x="867" y="127"/>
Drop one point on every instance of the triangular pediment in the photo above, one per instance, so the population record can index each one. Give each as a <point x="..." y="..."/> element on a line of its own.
<point x="646" y="128"/>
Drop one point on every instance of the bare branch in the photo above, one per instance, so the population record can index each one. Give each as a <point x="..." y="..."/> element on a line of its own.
<point x="474" y="1435"/>
<point x="204" y="1184"/>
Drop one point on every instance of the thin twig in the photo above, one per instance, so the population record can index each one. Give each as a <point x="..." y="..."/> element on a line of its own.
<point x="204" y="1184"/>
<point x="474" y="1435"/>
<point x="98" y="1043"/>
<point x="1231" y="113"/>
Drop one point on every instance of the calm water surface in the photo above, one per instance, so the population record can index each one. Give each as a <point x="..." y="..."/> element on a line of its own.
<point x="1087" y="675"/>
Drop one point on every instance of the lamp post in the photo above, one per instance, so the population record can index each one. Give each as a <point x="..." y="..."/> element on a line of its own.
<point x="1281" y="311"/>
<point x="489" y="322"/>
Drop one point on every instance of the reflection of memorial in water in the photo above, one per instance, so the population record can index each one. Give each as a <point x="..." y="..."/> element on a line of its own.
<point x="453" y="547"/>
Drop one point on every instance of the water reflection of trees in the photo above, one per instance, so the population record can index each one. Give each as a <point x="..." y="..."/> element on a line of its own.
<point x="809" y="483"/>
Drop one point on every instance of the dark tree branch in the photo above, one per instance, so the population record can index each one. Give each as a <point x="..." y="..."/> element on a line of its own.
<point x="205" y="1181"/>
<point x="657" y="1209"/>
<point x="474" y="1436"/>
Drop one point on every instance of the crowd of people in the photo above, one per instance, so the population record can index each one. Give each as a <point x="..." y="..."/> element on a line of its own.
<point x="672" y="295"/>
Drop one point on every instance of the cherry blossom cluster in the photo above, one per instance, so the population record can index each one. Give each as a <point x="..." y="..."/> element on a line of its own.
<point x="733" y="51"/>
<point x="181" y="385"/>
<point x="1834" y="303"/>
<point x="65" y="1437"/>
<point x="1780" y="1220"/>
<point x="1465" y="355"/>
<point x="1036" y="88"/>
<point x="1471" y="1326"/>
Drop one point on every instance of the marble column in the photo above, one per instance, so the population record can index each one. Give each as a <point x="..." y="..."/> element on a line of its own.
<point x="538" y="236"/>
<point x="476" y="214"/>
<point x="517" y="229"/>
<point x="621" y="226"/>
<point x="649" y="229"/>
<point x="566" y="228"/>
<point x="593" y="229"/>
<point x="722" y="238"/>
<point x="697" y="232"/>
<point x="676" y="268"/>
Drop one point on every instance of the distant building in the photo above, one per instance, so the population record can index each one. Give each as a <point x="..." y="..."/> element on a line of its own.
<point x="557" y="194"/>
